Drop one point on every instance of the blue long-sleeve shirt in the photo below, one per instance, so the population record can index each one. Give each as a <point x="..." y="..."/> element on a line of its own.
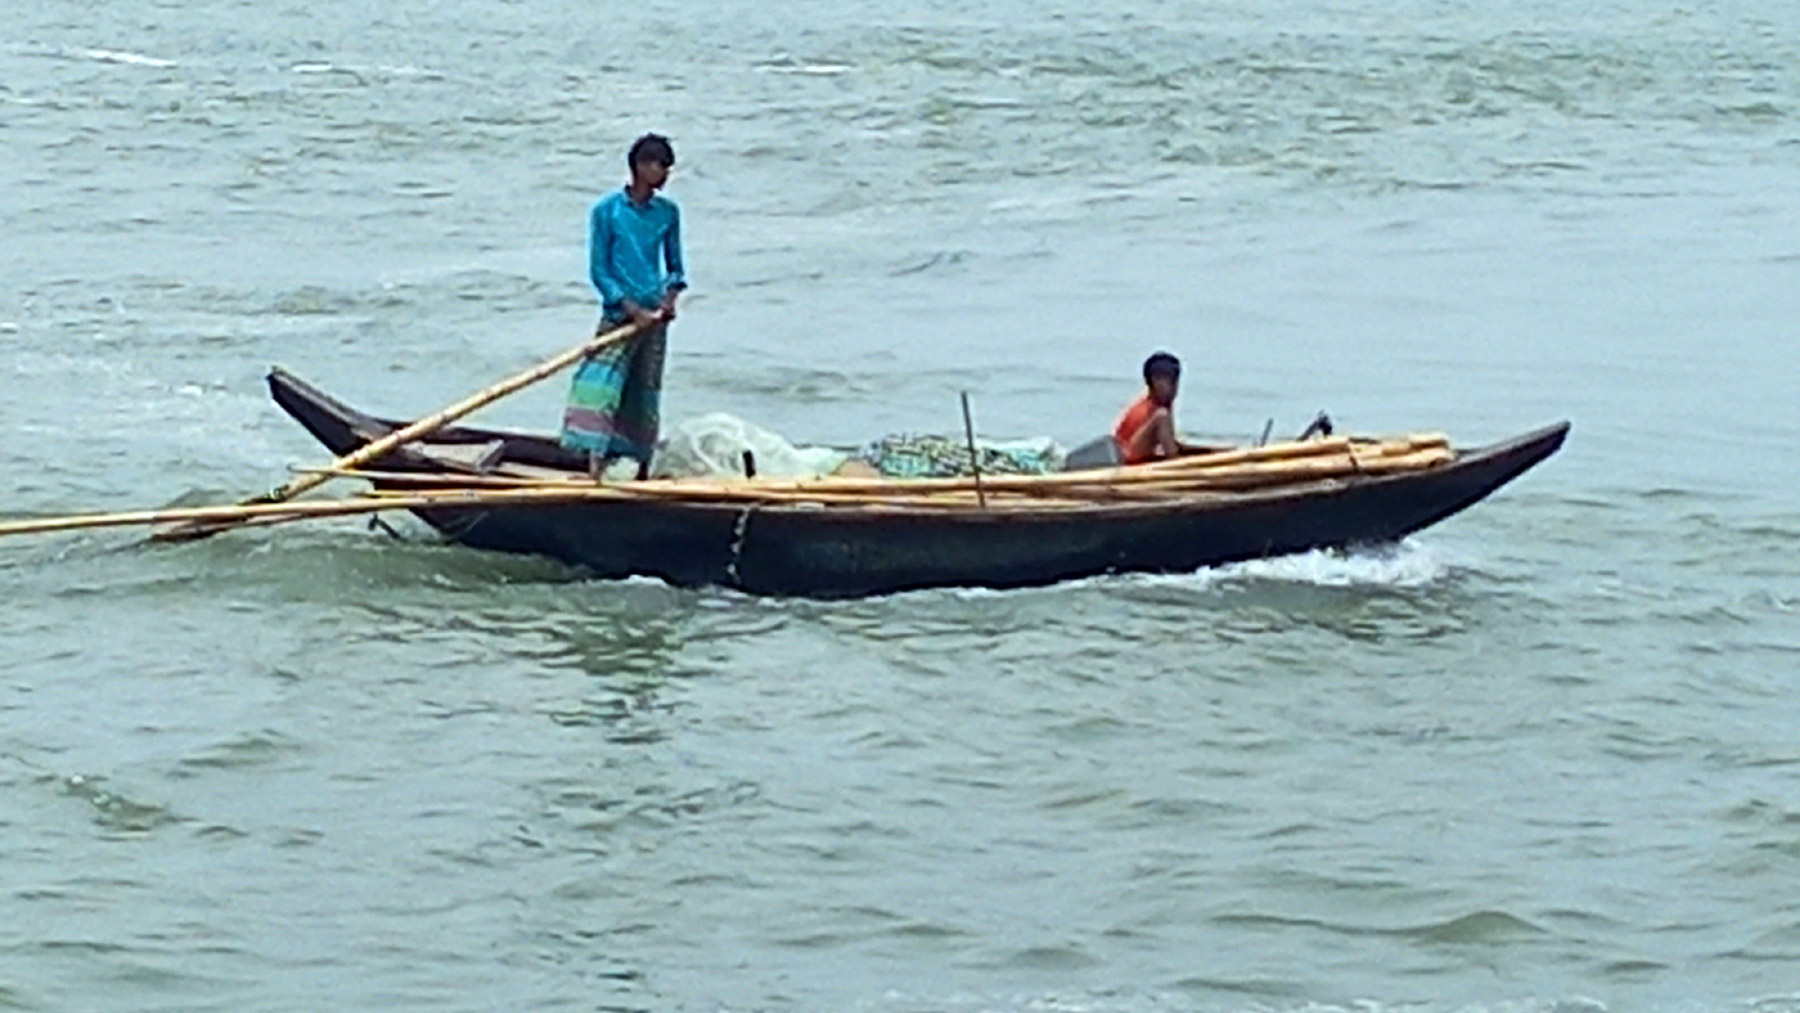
<point x="634" y="251"/>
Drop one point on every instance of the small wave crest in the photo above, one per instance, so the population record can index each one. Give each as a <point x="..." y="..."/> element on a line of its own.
<point x="121" y="57"/>
<point x="785" y="64"/>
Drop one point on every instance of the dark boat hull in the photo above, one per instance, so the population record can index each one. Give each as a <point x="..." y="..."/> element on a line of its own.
<point x="819" y="552"/>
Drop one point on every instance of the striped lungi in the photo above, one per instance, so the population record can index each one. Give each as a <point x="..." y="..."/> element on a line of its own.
<point x="615" y="400"/>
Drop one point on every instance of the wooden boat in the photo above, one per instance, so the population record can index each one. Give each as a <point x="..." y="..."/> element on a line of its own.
<point x="807" y="541"/>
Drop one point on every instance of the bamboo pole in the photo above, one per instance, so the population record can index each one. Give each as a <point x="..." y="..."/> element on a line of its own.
<point x="436" y="478"/>
<point x="1253" y="477"/>
<point x="1383" y="457"/>
<point x="742" y="494"/>
<point x="660" y="489"/>
<point x="1227" y="467"/>
<point x="233" y="513"/>
<point x="1268" y="452"/>
<point x="408" y="433"/>
<point x="1146" y="486"/>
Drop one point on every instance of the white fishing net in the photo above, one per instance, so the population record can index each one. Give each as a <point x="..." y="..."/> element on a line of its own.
<point x="714" y="445"/>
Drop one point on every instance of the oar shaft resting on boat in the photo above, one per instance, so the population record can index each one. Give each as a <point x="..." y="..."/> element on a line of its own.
<point x="407" y="434"/>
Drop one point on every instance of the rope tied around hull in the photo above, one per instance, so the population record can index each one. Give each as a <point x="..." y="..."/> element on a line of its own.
<point x="740" y="530"/>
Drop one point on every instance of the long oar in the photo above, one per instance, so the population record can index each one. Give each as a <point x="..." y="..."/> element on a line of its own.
<point x="407" y="434"/>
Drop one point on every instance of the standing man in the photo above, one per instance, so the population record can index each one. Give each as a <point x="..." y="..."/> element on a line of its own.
<point x="634" y="261"/>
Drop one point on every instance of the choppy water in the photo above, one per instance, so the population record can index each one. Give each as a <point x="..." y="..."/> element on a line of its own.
<point x="1541" y="758"/>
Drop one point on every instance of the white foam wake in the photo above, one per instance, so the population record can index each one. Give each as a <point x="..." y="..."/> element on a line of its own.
<point x="1409" y="564"/>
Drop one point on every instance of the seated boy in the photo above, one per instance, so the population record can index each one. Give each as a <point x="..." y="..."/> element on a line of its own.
<point x="1146" y="432"/>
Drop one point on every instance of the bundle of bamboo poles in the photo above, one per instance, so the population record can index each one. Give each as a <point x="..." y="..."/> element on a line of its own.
<point x="1236" y="470"/>
<point x="1226" y="472"/>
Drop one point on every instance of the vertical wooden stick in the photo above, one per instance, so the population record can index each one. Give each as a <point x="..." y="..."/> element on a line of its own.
<point x="974" y="458"/>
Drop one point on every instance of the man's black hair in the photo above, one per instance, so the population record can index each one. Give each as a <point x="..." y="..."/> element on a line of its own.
<point x="1161" y="364"/>
<point x="651" y="148"/>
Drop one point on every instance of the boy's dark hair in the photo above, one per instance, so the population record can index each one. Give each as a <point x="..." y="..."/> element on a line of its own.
<point x="651" y="148"/>
<point x="1161" y="364"/>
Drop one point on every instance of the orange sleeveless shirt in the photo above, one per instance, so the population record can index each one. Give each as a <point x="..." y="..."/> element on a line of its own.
<point x="1130" y="424"/>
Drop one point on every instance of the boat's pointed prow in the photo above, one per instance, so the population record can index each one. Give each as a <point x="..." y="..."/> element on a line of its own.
<point x="1527" y="449"/>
